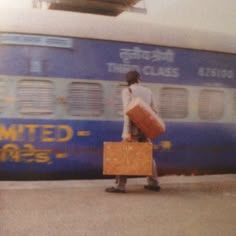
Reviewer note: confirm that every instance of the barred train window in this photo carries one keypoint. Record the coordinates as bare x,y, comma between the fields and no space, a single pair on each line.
85,99
211,104
118,99
173,103
2,96
35,97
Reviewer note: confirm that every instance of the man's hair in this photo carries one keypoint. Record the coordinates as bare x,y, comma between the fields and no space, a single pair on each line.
132,77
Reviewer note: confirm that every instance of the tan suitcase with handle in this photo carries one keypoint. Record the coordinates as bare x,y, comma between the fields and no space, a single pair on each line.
145,118
127,158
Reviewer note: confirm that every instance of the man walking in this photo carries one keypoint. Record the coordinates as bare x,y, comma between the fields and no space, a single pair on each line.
132,133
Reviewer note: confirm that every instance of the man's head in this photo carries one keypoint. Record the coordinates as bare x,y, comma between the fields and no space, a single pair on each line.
132,77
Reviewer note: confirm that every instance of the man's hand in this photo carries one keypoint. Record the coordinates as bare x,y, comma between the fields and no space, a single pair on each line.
127,137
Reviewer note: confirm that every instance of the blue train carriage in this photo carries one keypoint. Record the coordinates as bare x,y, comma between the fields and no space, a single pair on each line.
61,77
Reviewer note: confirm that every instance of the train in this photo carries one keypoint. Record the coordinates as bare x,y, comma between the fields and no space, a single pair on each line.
61,77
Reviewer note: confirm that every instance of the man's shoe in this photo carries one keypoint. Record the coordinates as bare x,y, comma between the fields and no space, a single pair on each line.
114,190
155,188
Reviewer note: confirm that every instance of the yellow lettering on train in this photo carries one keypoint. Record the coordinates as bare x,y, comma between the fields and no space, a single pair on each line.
10,152
33,132
20,132
28,154
166,145
9,133
68,133
42,157
61,133
47,133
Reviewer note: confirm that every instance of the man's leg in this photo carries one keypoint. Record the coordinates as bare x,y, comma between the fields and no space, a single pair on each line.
121,181
120,187
153,183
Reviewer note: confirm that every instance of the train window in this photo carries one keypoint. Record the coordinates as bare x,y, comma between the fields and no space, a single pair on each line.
211,104
118,100
35,97
85,99
2,96
173,103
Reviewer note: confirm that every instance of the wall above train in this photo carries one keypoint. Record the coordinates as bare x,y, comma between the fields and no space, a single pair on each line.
116,29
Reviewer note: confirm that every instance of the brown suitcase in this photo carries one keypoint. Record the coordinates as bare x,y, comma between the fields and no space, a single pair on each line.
127,158
145,118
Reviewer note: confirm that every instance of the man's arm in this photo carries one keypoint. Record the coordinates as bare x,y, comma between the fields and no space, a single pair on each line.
126,98
153,104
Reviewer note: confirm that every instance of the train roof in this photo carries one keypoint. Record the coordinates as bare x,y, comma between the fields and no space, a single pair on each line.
67,24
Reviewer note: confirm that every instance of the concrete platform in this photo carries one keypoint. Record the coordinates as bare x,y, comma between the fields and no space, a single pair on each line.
186,206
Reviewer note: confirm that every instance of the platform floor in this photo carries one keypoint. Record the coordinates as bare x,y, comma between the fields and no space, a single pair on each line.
186,206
